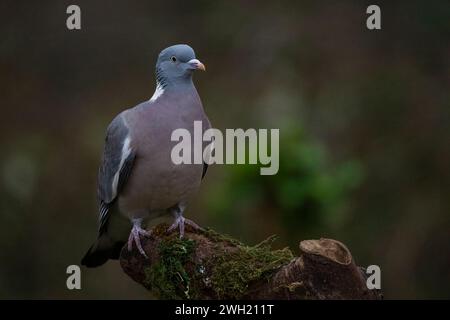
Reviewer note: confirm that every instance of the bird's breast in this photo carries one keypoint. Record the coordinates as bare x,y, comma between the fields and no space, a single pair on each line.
156,182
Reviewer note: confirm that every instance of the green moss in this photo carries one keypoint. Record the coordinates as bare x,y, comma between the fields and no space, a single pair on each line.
218,237
168,278
232,272
228,273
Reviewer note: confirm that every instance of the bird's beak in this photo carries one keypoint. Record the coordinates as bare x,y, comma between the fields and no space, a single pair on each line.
197,65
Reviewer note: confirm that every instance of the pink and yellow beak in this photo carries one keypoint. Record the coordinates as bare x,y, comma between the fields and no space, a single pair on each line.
197,65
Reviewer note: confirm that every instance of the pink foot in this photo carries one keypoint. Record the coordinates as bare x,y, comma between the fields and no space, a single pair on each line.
135,234
180,221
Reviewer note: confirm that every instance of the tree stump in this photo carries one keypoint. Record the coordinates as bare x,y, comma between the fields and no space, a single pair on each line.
209,265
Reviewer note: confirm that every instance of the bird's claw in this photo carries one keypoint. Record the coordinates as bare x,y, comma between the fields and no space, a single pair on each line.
135,234
180,222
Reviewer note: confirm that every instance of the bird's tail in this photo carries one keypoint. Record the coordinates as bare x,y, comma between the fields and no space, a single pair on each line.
104,248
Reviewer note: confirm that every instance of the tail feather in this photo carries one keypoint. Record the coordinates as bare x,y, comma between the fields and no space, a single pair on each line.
101,251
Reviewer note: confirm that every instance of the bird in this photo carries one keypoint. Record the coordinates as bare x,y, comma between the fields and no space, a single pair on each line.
137,180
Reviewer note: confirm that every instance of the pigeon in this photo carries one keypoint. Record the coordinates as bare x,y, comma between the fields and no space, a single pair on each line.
137,180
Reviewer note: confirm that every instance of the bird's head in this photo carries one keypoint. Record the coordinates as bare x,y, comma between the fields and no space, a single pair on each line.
176,64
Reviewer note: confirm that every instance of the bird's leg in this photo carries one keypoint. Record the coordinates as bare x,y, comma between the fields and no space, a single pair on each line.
180,221
135,234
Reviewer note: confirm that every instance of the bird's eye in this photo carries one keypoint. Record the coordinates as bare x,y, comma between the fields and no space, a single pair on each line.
173,58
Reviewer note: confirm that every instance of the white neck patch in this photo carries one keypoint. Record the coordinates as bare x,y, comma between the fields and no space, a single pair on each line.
158,92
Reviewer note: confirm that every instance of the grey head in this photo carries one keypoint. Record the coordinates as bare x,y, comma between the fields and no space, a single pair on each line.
175,66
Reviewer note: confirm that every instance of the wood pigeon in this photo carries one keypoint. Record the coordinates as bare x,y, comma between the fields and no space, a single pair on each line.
137,178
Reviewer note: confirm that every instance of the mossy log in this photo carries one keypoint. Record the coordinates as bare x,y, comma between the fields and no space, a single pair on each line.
208,265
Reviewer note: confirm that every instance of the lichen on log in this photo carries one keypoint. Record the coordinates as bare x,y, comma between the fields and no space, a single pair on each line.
209,265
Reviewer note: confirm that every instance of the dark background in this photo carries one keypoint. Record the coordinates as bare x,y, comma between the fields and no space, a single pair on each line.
363,116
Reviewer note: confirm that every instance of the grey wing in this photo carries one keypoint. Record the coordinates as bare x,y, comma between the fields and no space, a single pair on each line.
116,166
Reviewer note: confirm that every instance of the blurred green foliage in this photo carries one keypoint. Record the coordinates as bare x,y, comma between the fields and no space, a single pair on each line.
309,193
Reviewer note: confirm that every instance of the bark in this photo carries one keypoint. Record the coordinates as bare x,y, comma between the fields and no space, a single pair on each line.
208,265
